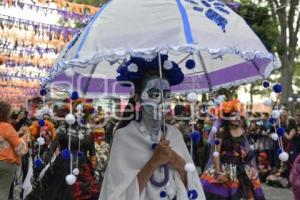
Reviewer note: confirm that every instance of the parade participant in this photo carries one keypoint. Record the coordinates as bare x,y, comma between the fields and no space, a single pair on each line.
294,138
56,160
142,143
11,149
231,173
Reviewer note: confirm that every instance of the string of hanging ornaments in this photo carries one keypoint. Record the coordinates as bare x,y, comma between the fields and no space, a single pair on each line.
31,40
72,7
64,13
75,115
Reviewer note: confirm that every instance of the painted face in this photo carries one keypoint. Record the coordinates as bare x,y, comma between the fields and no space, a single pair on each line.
156,97
235,118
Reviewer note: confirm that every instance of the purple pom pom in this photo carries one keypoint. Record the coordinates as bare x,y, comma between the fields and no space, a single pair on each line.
279,151
195,136
43,92
190,64
192,194
38,163
266,84
272,121
80,154
280,131
153,146
74,96
41,123
66,154
163,194
217,142
277,88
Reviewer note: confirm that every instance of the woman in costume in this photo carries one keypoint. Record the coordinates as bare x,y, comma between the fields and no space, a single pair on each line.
143,143
231,173
55,163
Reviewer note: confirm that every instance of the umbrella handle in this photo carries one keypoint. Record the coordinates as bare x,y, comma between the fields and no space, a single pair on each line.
165,180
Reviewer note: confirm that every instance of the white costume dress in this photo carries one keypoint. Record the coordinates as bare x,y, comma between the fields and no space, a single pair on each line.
131,150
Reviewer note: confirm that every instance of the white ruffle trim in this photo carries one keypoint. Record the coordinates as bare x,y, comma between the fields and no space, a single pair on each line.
115,55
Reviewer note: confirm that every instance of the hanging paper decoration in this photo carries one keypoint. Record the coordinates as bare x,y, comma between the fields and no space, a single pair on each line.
28,50
73,7
8,22
64,13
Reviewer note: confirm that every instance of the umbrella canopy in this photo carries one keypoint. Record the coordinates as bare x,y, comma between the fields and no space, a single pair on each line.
225,49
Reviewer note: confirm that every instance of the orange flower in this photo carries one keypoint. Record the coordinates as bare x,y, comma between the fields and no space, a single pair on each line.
34,130
230,106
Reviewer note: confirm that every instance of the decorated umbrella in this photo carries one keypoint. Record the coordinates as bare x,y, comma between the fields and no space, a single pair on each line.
213,46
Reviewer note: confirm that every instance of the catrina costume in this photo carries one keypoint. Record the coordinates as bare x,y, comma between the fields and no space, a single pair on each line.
238,178
77,153
135,139
53,183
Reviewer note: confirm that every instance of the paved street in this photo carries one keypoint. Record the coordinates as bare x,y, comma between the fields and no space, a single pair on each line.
273,193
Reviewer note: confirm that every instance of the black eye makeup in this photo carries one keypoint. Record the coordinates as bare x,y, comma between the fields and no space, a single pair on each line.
153,93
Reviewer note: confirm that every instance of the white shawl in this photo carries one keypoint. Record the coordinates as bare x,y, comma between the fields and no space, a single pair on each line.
131,150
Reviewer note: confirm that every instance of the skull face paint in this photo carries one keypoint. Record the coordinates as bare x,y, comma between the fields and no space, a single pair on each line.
156,97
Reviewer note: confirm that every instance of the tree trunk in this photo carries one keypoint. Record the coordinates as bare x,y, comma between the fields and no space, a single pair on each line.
287,73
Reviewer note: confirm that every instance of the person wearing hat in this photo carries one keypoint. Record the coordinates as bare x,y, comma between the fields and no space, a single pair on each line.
231,172
149,159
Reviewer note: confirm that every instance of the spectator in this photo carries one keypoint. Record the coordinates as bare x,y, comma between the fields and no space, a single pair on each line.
21,120
294,138
179,108
264,167
11,149
279,177
202,148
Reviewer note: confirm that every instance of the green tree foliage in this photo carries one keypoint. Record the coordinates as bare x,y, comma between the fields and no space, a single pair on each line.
95,3
287,14
260,20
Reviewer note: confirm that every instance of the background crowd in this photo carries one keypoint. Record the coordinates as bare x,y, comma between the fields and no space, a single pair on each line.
19,127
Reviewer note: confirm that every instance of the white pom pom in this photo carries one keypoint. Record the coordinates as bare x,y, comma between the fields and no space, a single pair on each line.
69,73
192,97
168,65
216,154
189,167
79,107
268,102
290,99
298,100
275,114
252,147
213,130
70,119
80,136
284,156
133,67
274,136
70,179
41,141
76,171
